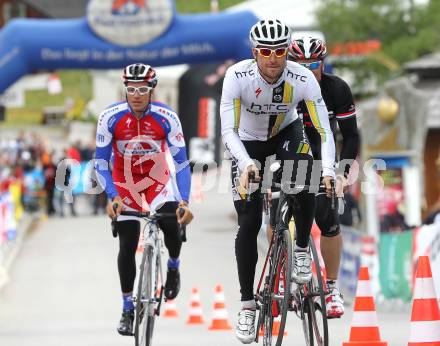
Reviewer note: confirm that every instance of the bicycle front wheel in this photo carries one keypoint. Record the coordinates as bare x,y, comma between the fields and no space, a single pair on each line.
146,299
316,310
280,274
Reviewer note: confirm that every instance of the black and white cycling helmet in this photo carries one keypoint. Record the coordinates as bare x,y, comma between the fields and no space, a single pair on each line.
269,32
140,73
307,47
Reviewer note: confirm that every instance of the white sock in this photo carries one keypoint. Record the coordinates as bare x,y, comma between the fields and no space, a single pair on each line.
301,249
331,283
248,305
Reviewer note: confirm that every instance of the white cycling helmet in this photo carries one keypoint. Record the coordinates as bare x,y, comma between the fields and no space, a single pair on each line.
269,32
140,73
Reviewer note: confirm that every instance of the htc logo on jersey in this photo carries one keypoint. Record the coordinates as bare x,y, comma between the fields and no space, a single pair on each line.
244,73
296,76
268,108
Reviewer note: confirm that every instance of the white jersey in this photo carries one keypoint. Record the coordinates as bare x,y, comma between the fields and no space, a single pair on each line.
252,109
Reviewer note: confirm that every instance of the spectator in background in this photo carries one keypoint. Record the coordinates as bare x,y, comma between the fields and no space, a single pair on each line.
99,200
64,166
434,214
21,159
73,152
87,152
33,182
49,170
36,147
352,213
394,219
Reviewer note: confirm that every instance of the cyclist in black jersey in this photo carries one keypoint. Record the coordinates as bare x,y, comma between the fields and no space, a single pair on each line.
310,52
258,120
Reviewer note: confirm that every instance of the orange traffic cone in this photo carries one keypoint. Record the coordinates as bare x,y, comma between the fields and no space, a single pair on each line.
197,189
425,317
170,309
275,327
195,309
364,326
275,308
220,315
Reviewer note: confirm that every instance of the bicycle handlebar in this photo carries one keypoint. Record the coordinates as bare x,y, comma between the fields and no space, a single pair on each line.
333,196
251,179
182,227
148,215
152,217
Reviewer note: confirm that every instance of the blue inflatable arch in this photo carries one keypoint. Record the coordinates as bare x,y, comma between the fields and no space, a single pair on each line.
31,45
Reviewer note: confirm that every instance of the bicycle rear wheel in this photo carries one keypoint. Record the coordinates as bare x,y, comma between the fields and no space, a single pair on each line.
317,314
146,299
307,323
280,275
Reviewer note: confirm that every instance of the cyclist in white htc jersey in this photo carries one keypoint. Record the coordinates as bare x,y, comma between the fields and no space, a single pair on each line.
259,120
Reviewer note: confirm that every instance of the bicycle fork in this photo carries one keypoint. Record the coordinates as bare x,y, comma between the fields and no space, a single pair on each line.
160,281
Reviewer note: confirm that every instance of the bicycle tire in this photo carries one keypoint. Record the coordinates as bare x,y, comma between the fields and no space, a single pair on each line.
261,312
283,265
316,309
267,317
307,323
144,320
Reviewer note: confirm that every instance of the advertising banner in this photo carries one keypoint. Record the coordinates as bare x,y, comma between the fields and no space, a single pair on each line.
350,260
395,253
427,243
116,33
390,199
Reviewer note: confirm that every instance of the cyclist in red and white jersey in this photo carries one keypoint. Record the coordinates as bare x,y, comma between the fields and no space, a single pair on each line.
139,132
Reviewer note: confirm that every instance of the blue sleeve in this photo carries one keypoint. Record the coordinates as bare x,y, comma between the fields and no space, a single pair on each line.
103,173
176,144
183,171
103,153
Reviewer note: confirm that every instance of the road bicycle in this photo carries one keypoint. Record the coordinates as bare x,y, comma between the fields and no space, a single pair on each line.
150,276
276,294
308,302
273,291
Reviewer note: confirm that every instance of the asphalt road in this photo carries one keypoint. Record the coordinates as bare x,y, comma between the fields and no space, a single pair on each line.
64,288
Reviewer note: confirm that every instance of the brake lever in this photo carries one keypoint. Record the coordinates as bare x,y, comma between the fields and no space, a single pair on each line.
251,179
265,203
114,220
333,197
182,227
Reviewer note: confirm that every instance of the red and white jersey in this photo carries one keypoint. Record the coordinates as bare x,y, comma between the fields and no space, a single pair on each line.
141,174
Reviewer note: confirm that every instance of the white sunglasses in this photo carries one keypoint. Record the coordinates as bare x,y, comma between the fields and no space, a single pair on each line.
143,90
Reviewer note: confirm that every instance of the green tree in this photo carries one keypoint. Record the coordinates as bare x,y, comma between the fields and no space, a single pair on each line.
406,31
